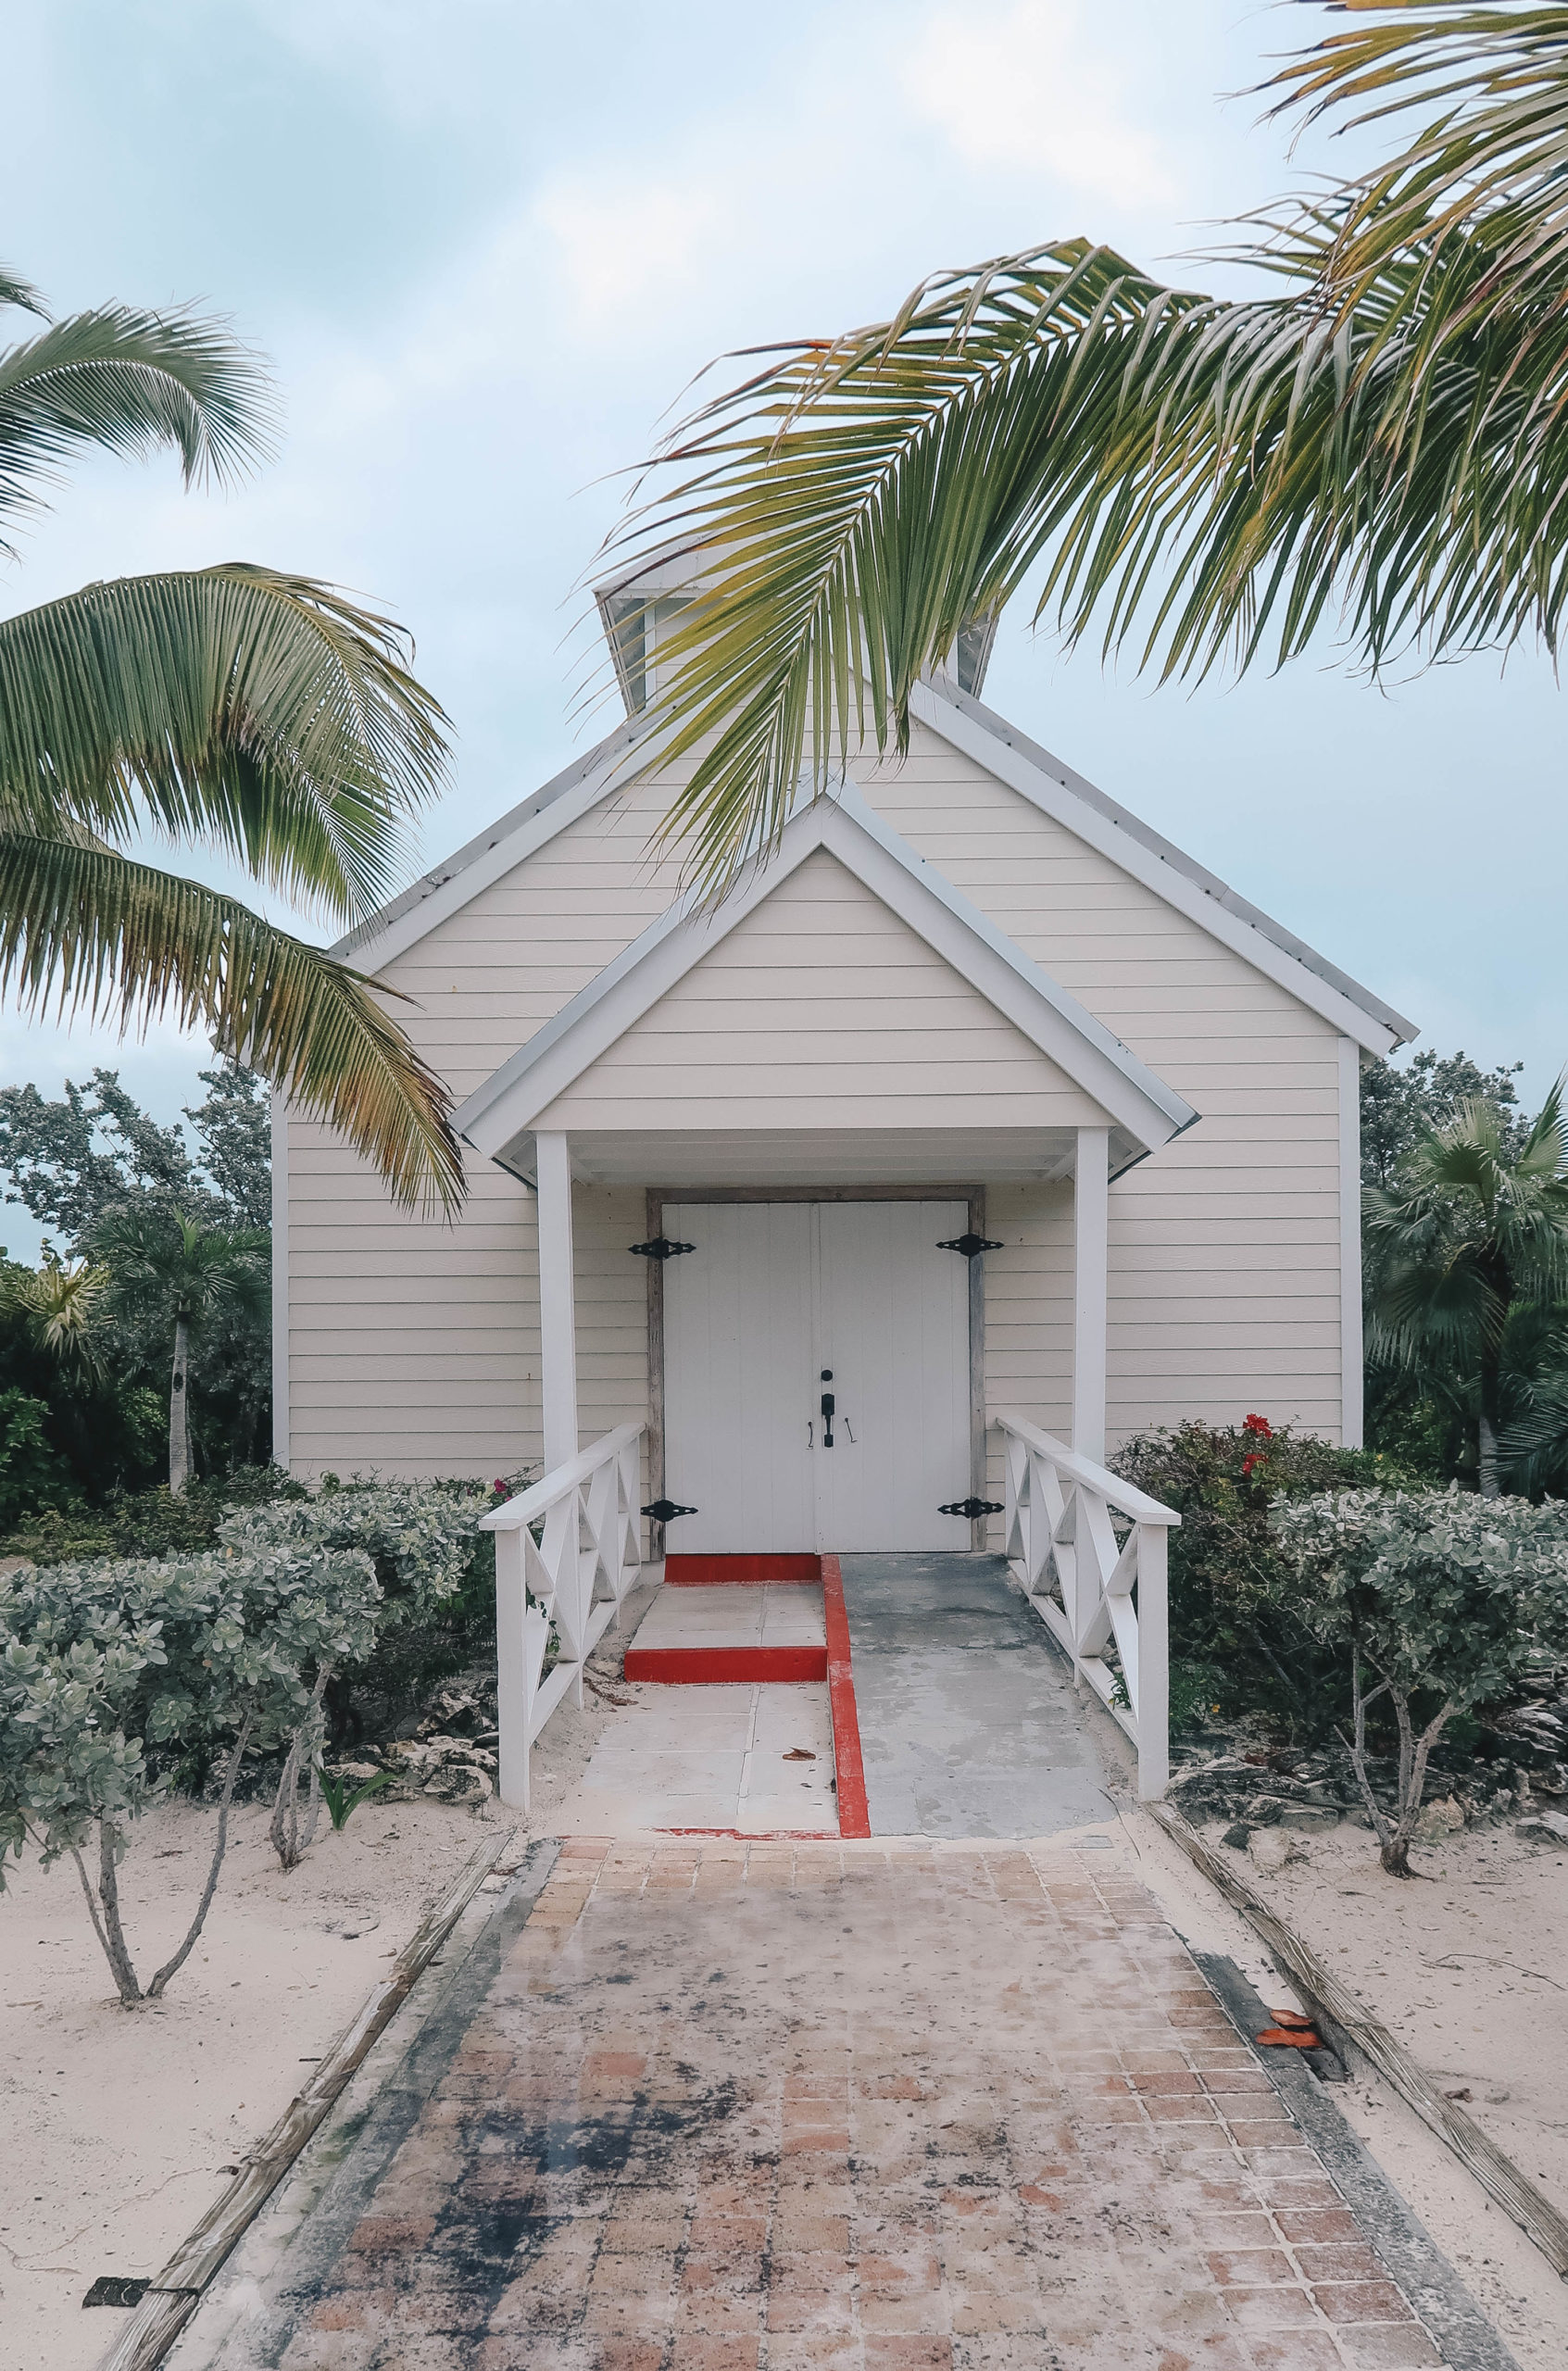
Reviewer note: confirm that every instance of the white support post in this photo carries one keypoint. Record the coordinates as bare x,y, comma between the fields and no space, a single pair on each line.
557,1316
1091,1223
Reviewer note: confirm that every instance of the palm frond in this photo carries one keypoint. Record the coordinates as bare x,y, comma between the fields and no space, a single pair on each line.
1378,446
15,290
85,930
263,714
1492,80
130,380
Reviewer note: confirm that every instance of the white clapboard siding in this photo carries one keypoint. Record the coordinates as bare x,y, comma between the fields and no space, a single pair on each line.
822,1009
414,1346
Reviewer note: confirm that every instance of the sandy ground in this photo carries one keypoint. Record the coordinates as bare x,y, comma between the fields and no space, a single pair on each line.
118,2128
1467,1965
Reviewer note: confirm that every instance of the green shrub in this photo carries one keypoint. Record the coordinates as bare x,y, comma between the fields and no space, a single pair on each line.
1233,1639
1449,1599
110,1671
147,1523
436,1569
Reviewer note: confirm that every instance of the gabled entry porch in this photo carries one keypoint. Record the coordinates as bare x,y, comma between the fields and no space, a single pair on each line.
817,1090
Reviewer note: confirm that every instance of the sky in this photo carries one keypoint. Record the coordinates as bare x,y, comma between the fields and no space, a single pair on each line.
486,246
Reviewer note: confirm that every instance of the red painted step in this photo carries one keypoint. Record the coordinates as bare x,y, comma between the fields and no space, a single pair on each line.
723,1666
704,1572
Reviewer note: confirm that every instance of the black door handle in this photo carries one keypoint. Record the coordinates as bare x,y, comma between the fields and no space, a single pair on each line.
827,1420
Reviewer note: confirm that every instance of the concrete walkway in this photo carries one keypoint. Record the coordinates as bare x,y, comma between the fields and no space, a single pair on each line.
970,1723
732,2107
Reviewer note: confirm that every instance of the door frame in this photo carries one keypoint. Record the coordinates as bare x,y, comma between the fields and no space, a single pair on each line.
973,1196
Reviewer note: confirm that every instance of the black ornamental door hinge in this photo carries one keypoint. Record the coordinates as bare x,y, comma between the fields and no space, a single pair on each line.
666,1511
972,1509
660,1248
971,1246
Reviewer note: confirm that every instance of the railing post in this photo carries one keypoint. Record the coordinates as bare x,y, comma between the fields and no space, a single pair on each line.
511,1669
1154,1663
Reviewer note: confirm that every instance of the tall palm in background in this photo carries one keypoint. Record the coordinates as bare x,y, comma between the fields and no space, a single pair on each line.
178,1271
1378,441
1467,1263
253,714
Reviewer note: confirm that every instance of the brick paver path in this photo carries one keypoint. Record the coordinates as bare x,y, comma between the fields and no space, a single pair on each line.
869,2105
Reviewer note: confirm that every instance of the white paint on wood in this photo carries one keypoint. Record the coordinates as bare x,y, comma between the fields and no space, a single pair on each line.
557,1303
1090,1244
1350,1352
774,1294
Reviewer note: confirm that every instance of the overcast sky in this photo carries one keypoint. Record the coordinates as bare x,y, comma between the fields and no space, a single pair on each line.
488,243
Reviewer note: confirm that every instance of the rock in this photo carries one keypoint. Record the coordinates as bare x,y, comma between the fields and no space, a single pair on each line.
357,1773
1237,1837
1443,1818
1263,1811
1314,1818
1272,1848
460,1782
1543,1827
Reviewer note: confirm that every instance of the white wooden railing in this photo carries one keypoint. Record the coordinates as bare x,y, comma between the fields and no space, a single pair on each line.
577,1572
1082,1541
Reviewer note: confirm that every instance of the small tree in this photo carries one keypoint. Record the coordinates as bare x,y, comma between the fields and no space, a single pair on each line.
109,1672
163,1264
1449,1599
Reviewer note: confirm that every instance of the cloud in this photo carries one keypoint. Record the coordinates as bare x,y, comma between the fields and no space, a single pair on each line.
1023,86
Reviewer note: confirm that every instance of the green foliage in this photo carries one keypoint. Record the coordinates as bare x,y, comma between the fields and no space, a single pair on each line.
1452,1599
1467,1263
340,1804
148,1523
1401,1105
31,1473
1233,1642
234,708
436,1569
110,1670
94,1153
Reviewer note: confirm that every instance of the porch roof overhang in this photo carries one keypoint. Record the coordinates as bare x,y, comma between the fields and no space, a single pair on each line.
1141,1111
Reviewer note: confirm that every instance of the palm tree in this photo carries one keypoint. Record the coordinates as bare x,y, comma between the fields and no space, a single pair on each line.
1468,1260
261,716
179,1271
59,1305
1380,438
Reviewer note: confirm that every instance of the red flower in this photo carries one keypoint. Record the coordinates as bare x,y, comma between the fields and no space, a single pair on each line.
1249,1463
1261,1426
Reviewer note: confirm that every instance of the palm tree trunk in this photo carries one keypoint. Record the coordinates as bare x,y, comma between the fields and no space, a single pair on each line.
179,1413
1486,1453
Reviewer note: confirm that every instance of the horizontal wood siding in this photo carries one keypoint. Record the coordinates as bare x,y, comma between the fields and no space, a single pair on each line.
822,1009
413,1346
1244,1207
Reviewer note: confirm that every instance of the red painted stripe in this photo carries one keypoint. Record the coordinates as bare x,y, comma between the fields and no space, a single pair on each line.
854,1812
721,1666
703,1572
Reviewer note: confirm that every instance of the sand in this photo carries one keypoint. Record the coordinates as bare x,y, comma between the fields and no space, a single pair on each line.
1467,1965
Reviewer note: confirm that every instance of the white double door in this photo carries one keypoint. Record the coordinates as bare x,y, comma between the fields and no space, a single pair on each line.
779,1304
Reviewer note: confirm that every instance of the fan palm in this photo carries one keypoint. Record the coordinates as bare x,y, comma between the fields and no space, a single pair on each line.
1468,1249
180,1273
1380,439
258,715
